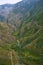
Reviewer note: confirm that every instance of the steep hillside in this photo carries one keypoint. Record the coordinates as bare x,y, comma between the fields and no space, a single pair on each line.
14,13
21,34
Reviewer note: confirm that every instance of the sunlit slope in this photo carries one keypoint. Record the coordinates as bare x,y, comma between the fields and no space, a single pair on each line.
7,55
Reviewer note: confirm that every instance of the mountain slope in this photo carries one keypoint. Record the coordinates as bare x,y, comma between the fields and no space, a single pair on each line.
21,35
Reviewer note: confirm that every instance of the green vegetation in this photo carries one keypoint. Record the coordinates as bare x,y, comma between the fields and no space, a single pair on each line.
25,45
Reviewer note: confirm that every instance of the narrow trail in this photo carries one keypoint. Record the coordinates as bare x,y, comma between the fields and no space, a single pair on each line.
11,57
